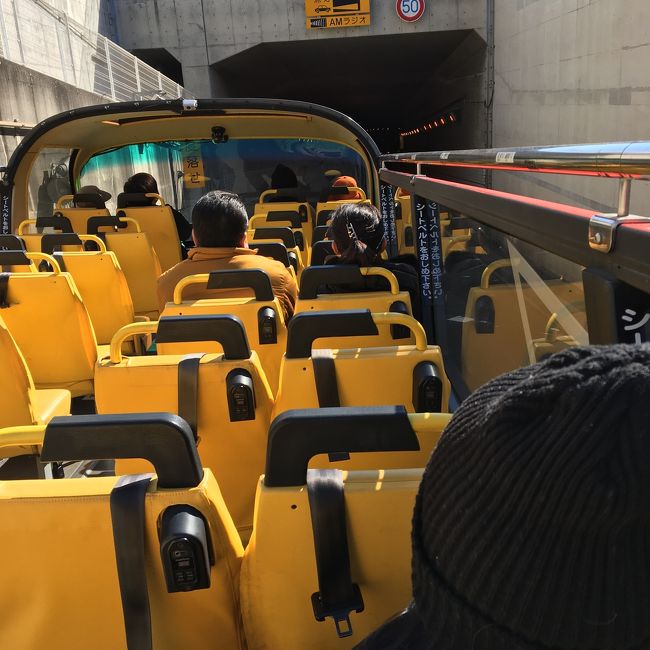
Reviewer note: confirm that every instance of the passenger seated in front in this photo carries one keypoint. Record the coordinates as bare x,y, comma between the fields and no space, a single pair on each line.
219,224
345,181
531,524
357,234
144,183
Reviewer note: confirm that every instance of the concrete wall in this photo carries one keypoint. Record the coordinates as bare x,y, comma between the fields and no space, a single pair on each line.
571,71
200,33
29,97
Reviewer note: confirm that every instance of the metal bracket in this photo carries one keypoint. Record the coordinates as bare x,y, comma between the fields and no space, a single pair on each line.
190,104
602,230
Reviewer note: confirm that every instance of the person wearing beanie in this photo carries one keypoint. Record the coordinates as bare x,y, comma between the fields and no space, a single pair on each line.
357,234
531,528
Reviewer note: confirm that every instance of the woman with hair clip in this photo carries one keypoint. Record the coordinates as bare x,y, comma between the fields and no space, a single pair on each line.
357,234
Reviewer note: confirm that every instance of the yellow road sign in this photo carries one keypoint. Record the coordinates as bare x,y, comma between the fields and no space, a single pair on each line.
328,14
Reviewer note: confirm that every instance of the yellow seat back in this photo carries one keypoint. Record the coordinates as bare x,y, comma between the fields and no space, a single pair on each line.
65,589
158,222
282,235
16,384
78,217
50,323
316,277
272,201
412,376
139,262
103,288
262,316
493,335
279,572
234,449
302,232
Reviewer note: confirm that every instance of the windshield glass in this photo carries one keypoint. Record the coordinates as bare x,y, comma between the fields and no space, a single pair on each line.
187,170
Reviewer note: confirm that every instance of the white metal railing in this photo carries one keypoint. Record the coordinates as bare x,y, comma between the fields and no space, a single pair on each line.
40,37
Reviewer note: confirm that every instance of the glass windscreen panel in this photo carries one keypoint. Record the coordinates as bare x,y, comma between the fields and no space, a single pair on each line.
187,170
49,179
507,303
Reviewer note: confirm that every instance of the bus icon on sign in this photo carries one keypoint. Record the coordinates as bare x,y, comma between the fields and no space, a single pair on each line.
317,23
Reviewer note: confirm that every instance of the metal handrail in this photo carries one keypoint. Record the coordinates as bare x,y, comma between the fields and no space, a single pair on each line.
624,160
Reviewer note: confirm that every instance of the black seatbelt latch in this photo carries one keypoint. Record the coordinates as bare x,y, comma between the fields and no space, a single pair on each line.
341,615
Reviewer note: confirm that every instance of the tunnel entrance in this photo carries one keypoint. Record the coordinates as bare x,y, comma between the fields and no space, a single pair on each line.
390,84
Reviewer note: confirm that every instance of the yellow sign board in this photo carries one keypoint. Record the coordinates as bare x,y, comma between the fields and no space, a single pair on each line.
193,167
328,14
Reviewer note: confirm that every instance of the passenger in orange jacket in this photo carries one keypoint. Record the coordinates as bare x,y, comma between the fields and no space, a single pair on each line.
219,224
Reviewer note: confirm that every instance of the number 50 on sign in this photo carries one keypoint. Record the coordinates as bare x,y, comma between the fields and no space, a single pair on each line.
409,10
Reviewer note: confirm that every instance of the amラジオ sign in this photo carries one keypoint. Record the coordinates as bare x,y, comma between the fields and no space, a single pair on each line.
329,14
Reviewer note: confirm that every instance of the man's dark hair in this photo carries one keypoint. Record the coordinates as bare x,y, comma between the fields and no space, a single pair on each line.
219,219
141,183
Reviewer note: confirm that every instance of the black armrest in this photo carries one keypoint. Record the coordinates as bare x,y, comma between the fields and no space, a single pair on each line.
255,279
296,436
283,233
51,241
225,329
164,439
305,327
315,276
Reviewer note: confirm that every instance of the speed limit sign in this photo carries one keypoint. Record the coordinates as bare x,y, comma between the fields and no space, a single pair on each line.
409,10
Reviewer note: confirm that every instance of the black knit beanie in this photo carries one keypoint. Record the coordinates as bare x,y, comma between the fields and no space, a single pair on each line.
532,524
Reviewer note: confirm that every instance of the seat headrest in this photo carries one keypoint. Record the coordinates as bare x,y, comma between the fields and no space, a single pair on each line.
134,200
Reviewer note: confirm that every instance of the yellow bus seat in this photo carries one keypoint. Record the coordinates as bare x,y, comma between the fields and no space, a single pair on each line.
261,315
365,523
289,220
141,266
326,204
64,575
319,234
393,300
276,251
50,324
493,337
412,376
283,235
67,207
157,221
102,285
293,218
274,200
226,397
13,256
320,251
20,402
31,231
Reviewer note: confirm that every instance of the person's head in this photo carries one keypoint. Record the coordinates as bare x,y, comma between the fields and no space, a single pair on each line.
91,189
357,233
142,183
282,177
219,219
345,181
532,520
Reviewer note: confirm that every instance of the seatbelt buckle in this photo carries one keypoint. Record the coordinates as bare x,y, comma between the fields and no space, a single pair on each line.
341,613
